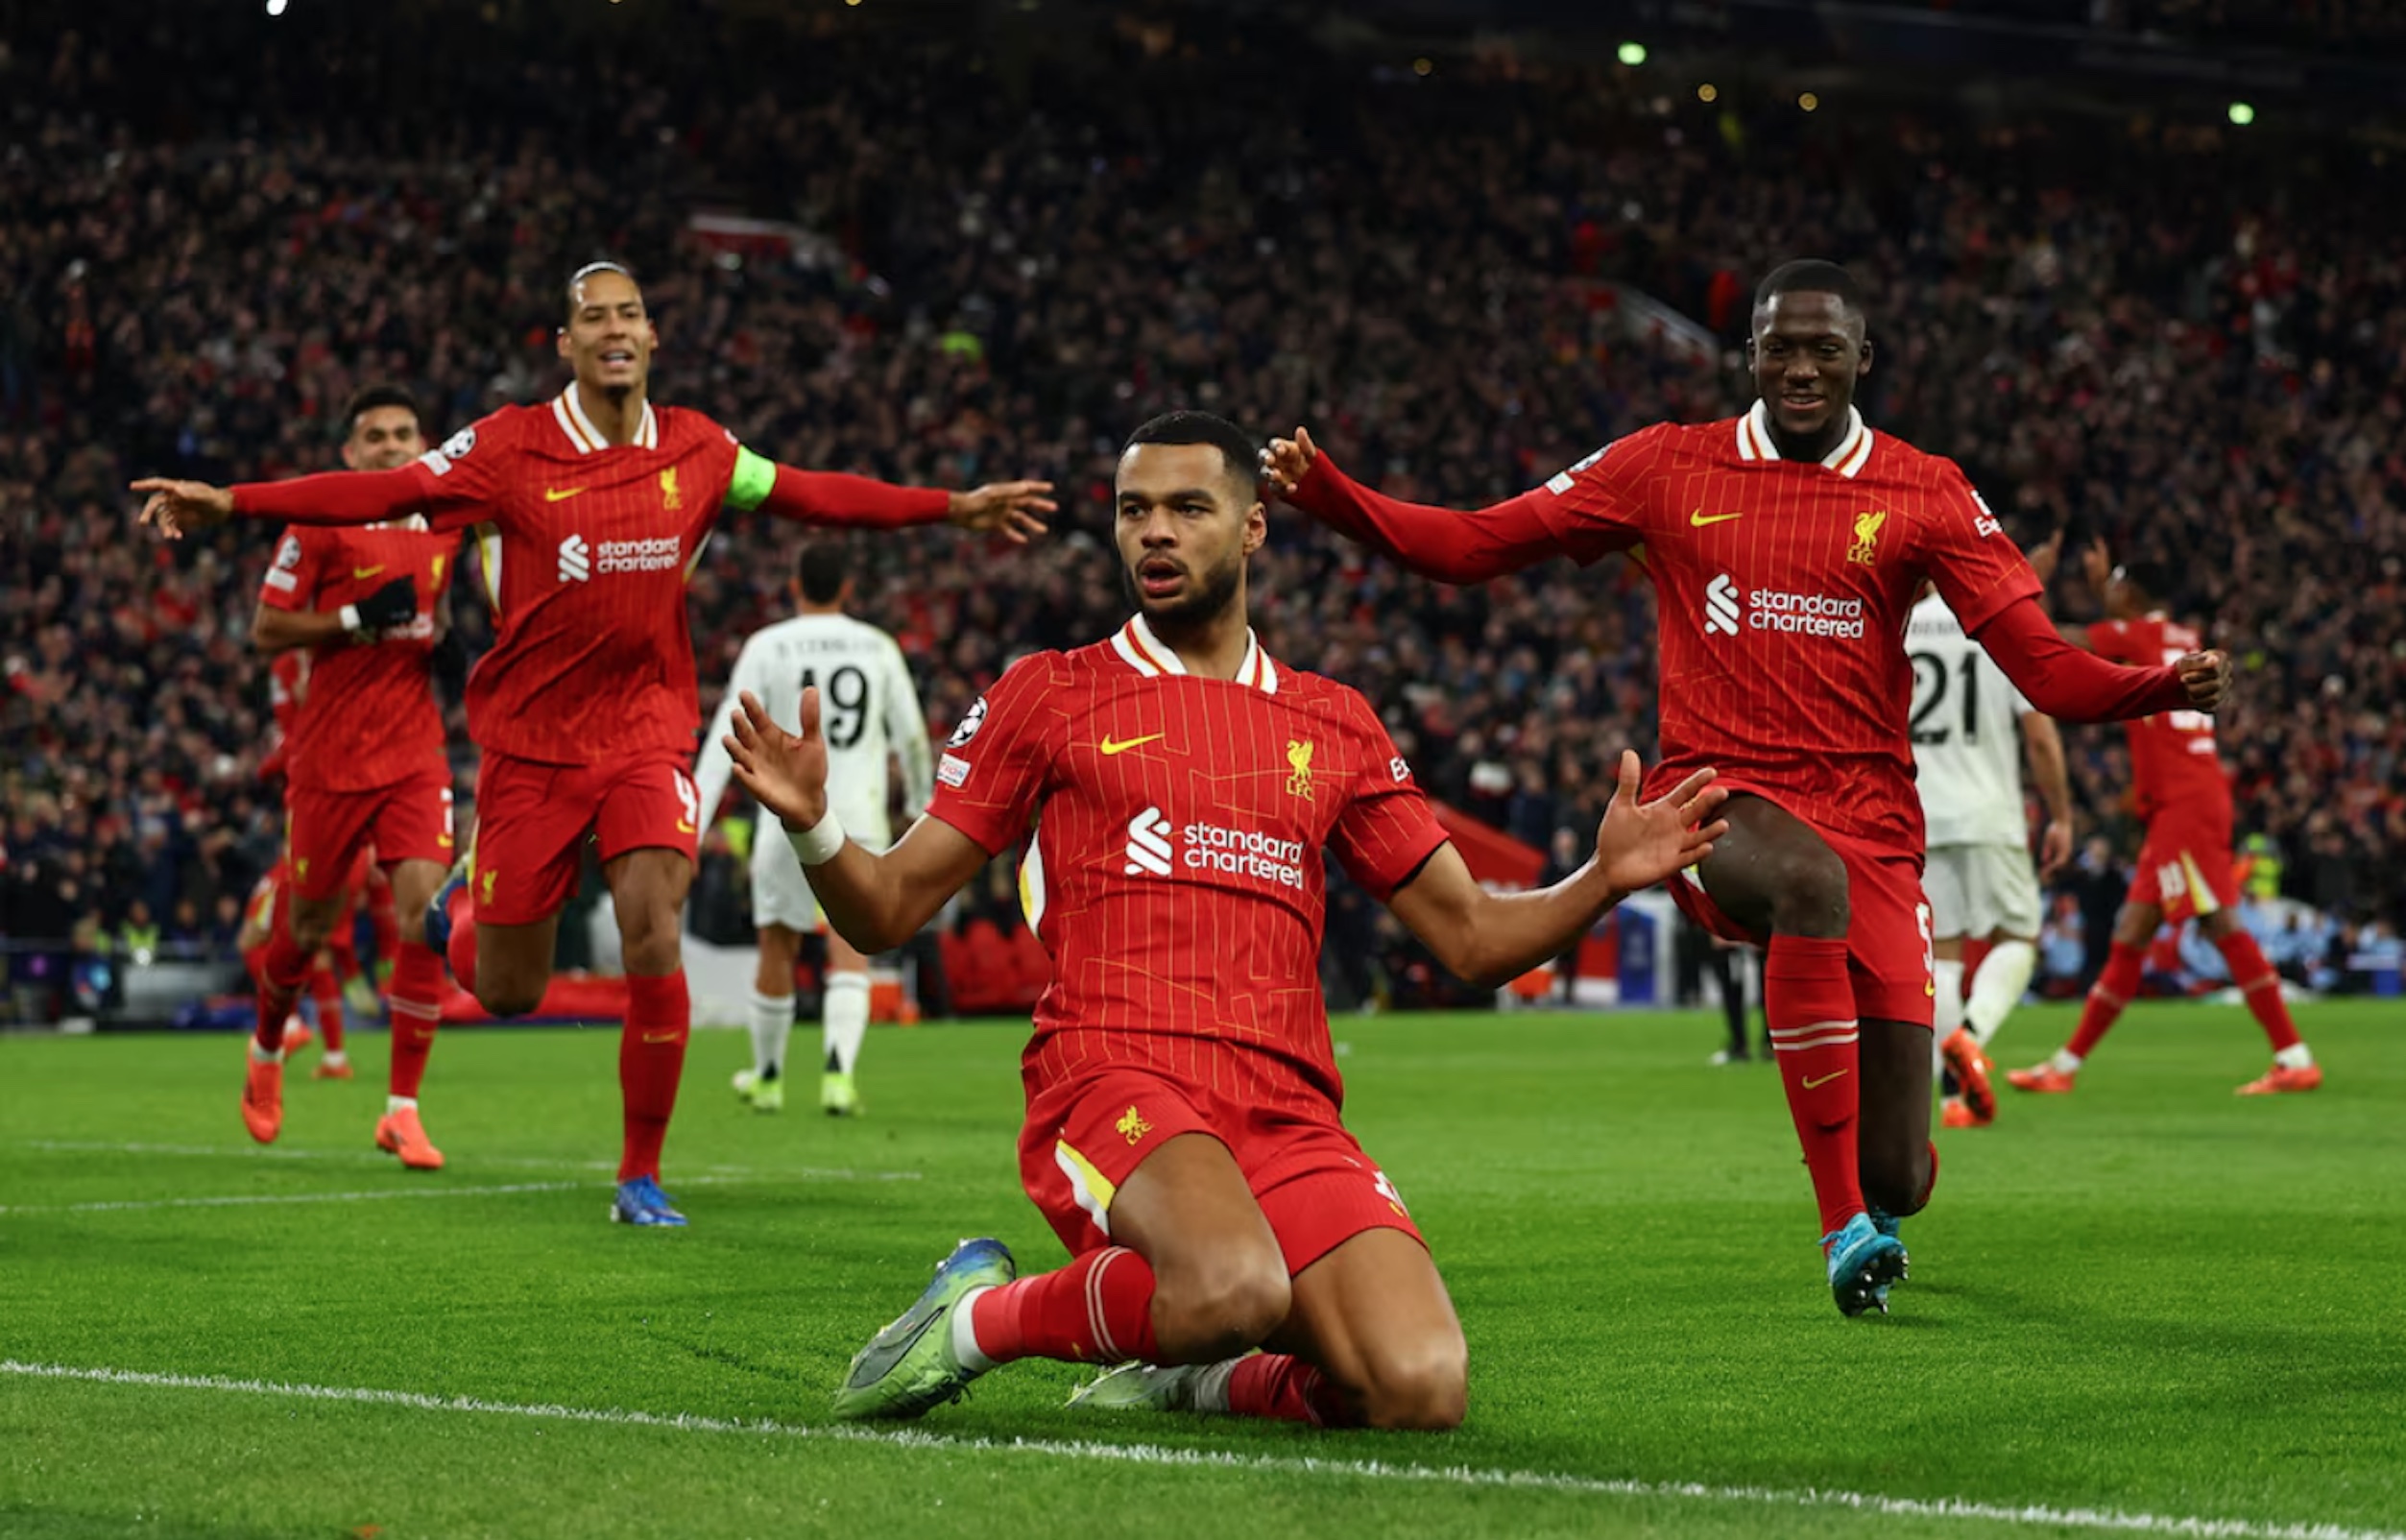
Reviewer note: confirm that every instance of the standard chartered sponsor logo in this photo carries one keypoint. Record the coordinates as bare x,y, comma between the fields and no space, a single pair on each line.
1148,843
1201,847
1721,607
1243,853
1801,615
580,561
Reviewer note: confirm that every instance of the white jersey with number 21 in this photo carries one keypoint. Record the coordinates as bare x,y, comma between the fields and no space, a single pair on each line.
1967,730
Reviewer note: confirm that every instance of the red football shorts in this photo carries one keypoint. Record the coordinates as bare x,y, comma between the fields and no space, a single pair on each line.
2185,866
326,831
1888,957
1086,1136
532,821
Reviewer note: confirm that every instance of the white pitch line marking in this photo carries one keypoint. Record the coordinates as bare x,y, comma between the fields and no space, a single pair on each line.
254,1152
2039,1515
244,1199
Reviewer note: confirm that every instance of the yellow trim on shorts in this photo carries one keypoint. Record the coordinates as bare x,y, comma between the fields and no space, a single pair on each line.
2202,897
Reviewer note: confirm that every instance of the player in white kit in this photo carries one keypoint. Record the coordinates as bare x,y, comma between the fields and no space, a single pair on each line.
1979,881
870,711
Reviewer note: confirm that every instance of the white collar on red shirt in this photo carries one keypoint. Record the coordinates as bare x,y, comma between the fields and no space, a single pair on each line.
569,412
1148,655
1852,454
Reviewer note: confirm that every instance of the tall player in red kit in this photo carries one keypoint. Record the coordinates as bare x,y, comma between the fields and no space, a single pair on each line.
1183,1135
592,509
1786,548
364,764
2184,871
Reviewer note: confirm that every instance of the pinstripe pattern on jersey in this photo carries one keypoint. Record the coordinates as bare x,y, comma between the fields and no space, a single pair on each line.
1177,866
1783,592
369,716
2173,759
587,547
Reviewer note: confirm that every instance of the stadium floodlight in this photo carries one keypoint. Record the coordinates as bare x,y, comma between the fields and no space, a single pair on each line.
1424,67
276,8
1708,93
1808,102
1633,54
2242,113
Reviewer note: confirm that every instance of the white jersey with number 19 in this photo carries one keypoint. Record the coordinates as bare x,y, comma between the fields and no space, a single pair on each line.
868,709
1967,730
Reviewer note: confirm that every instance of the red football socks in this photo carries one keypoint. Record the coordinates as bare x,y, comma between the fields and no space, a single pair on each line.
283,968
461,954
651,1061
1810,1007
1275,1385
327,991
2116,986
1097,1309
417,1001
2260,985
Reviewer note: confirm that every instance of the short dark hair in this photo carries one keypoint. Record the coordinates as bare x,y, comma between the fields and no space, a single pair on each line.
373,397
821,569
1241,451
1811,274
2151,579
603,265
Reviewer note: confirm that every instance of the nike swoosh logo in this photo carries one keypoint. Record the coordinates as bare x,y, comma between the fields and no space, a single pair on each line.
1811,1084
671,1037
1112,746
683,828
1700,519
553,495
361,574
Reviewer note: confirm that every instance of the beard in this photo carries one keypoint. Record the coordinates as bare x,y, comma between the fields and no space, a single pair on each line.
1208,596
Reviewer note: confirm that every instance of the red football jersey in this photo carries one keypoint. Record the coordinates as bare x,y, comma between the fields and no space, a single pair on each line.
366,715
1783,590
586,551
2172,753
1175,874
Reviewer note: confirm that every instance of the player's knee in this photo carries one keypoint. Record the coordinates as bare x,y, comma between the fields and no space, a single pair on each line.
1809,896
1423,1385
410,923
310,932
502,996
1219,1312
648,942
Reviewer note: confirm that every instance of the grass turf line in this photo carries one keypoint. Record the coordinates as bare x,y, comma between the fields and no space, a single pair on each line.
2147,1296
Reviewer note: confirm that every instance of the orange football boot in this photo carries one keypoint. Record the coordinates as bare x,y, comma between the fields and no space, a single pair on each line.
399,1133
2039,1077
263,1098
297,1036
2280,1078
1971,1068
331,1071
1955,1114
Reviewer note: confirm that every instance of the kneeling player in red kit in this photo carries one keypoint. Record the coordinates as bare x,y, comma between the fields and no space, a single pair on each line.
1182,1134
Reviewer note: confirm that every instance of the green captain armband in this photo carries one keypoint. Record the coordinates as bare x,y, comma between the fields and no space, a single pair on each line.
754,478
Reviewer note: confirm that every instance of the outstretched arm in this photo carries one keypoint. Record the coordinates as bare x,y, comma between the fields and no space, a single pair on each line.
877,902
834,499
1437,542
1492,938
328,497
2066,683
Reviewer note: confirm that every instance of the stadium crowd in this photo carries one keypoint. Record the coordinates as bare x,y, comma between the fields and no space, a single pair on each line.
2133,330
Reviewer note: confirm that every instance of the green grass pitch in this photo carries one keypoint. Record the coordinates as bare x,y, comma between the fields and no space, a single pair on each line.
2149,1297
